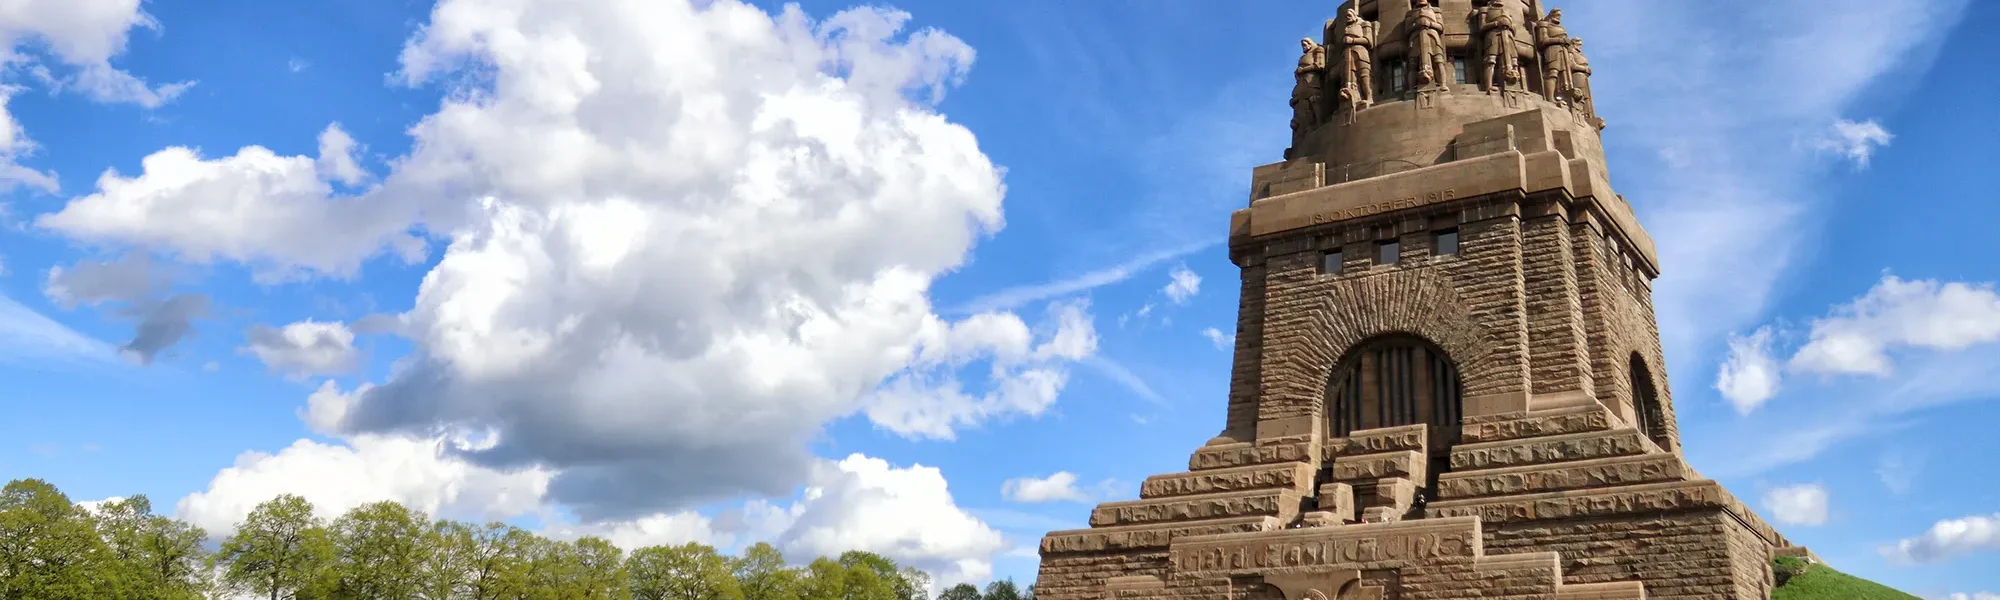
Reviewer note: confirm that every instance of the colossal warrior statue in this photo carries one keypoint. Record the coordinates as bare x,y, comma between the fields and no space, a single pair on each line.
1308,90
1553,42
1497,44
1426,30
1447,375
1579,79
1357,40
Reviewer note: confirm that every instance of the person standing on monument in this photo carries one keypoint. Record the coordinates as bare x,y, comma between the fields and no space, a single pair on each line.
1357,39
1426,29
1310,83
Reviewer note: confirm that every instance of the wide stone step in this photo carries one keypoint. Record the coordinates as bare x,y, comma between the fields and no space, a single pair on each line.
1548,450
1297,476
1280,502
1620,590
1408,464
1579,475
1133,537
1561,421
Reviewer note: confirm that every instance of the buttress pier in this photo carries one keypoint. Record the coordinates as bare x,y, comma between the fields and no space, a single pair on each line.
1448,380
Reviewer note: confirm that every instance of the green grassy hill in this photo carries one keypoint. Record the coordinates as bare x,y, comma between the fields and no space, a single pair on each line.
1821,582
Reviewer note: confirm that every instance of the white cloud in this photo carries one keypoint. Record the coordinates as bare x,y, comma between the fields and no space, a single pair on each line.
1856,141
662,307
1857,337
1123,376
1897,471
1946,539
254,207
336,157
1974,596
1060,486
1705,137
1222,341
1750,376
420,473
83,36
1182,285
296,64
652,530
906,514
304,348
28,335
1803,504
1014,297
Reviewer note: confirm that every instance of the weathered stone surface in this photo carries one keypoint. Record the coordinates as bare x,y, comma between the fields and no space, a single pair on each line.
1099,539
1605,472
1282,503
1442,232
1406,464
1295,475
1537,451
1561,422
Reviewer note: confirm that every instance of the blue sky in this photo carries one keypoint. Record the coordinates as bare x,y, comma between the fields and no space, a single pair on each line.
928,280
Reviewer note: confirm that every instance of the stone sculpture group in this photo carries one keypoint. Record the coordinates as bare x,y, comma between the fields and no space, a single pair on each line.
1495,41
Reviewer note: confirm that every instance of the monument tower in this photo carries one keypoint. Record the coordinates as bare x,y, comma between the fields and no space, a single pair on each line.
1448,381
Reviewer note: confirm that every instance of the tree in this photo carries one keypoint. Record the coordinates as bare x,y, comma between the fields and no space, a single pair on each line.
279,551
155,557
872,576
914,585
599,570
444,571
762,574
1002,590
686,572
49,548
378,548
963,591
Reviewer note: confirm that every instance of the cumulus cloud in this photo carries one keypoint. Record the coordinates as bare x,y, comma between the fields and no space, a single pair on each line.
1750,377
337,477
661,306
136,289
1222,341
1856,141
906,514
1974,596
304,348
255,207
1946,539
1182,285
1803,504
336,157
1059,486
81,36
1856,338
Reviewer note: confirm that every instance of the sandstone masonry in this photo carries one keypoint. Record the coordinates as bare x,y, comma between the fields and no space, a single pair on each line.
1448,380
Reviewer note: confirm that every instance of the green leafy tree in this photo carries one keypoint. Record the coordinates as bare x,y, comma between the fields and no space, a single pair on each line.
280,551
963,591
599,570
915,584
762,574
872,576
379,548
686,572
49,548
1002,590
154,557
824,579
444,571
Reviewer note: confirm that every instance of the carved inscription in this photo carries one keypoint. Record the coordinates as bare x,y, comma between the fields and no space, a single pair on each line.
1236,456
1249,556
1623,443
1559,478
1274,502
1537,426
1224,481
1706,495
1374,441
1379,466
1330,216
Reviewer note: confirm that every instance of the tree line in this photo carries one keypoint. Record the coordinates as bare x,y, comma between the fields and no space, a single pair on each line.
54,549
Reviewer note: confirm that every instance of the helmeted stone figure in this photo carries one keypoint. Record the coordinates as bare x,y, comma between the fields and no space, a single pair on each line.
1426,30
1495,24
1357,41
1552,40
1309,89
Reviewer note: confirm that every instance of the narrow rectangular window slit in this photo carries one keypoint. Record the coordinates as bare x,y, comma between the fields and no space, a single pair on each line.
1330,263
1391,252
1446,243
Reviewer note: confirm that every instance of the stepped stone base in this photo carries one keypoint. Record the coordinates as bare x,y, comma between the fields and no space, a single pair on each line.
1560,503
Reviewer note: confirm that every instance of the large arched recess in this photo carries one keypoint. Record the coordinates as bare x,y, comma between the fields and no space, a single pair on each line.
1394,380
1649,414
1417,302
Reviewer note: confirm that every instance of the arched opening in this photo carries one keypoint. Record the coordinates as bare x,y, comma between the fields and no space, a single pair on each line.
1397,380
1650,418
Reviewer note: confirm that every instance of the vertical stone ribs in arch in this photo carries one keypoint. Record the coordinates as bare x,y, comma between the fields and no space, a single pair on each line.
1416,302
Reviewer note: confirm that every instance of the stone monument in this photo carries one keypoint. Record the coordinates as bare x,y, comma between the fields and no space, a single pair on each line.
1448,380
